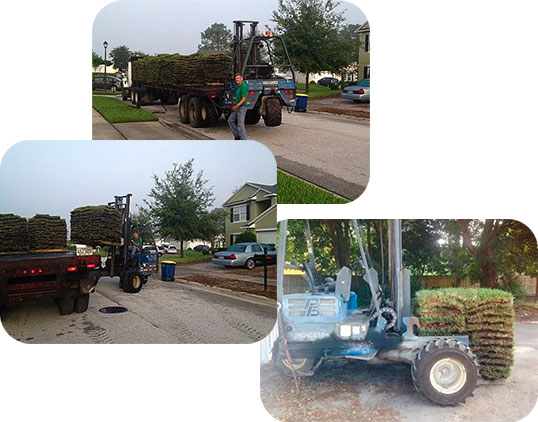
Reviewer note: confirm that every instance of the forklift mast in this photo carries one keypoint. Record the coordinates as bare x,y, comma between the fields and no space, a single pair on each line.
123,205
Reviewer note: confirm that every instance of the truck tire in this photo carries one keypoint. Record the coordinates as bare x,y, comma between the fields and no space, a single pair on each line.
82,303
250,264
133,281
273,112
184,108
209,113
445,372
252,117
195,112
303,366
66,305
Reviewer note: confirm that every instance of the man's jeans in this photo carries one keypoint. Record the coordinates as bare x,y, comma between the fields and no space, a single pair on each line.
236,121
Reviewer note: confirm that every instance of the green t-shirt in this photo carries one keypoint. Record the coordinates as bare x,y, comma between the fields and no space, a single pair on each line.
138,242
240,92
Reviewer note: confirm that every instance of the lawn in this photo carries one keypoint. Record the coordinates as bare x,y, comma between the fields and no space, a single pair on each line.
190,256
292,190
106,92
116,111
318,91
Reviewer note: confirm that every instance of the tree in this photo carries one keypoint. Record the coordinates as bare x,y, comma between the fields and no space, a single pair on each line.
96,59
139,54
120,56
215,38
144,224
214,226
349,48
310,30
179,203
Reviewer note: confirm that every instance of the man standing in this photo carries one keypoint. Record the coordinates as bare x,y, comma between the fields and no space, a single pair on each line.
236,121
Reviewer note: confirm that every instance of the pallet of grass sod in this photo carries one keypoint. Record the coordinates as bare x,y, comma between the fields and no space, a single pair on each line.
488,320
47,233
13,234
96,225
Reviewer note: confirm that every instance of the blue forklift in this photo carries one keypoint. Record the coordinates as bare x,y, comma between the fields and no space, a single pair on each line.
325,323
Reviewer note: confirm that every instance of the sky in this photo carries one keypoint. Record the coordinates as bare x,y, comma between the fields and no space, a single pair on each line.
175,26
55,177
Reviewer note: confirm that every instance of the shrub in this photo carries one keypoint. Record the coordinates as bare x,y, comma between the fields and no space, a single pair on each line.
511,284
246,237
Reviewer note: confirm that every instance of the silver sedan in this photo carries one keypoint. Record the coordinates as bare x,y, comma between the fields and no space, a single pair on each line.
239,255
359,93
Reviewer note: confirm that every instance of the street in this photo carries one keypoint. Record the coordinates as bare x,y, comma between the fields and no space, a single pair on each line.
162,312
328,150
353,390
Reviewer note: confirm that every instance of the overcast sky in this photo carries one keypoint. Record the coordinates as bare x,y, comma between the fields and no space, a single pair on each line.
174,26
54,177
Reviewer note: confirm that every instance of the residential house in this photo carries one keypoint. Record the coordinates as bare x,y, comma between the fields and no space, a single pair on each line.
252,208
361,68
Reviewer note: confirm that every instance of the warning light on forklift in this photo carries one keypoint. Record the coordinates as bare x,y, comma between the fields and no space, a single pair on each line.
268,33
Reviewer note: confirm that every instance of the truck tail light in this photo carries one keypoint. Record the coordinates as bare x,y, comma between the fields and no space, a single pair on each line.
251,93
71,269
90,266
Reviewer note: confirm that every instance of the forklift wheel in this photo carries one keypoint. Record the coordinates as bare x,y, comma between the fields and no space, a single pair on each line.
145,279
81,303
302,366
133,281
445,371
66,305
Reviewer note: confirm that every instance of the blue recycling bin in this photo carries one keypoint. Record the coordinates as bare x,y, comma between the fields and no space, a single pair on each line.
168,270
301,101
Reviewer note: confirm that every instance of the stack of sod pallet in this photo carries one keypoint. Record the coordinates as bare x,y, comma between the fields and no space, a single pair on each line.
96,225
485,315
47,233
13,233
176,70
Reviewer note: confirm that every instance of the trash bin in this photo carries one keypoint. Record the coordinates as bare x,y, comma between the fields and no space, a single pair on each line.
168,270
300,102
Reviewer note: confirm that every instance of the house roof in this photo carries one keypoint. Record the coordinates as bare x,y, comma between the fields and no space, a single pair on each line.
269,189
252,223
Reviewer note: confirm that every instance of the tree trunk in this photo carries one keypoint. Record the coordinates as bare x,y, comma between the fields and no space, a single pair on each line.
182,254
307,87
339,236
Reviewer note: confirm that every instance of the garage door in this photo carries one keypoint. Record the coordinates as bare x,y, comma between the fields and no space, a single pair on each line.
267,237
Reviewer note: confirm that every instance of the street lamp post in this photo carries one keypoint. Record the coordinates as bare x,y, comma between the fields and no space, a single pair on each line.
105,44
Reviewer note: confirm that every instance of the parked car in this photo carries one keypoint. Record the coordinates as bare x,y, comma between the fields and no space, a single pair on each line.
202,249
329,82
160,250
240,255
359,92
171,249
112,83
271,252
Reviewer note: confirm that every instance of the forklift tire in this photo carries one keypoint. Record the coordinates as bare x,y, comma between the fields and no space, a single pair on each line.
195,112
184,108
303,366
273,112
445,372
250,264
133,281
66,305
81,303
252,117
145,279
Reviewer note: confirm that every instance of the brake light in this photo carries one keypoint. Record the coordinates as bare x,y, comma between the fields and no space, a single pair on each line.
360,91
232,256
90,266
215,256
71,269
32,271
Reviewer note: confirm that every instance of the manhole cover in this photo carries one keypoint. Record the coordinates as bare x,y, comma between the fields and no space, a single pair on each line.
113,310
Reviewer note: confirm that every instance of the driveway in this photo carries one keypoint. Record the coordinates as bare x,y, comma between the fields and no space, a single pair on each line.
353,390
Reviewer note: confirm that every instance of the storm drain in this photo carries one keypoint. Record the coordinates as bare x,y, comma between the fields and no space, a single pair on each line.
113,310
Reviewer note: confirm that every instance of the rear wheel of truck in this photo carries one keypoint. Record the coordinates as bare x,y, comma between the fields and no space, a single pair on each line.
133,281
445,371
302,366
195,112
208,113
273,112
82,303
66,305
252,117
184,108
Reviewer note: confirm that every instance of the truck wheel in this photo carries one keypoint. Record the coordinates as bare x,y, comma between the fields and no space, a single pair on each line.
273,112
252,117
209,114
302,366
81,303
445,371
66,305
195,112
250,264
184,108
133,281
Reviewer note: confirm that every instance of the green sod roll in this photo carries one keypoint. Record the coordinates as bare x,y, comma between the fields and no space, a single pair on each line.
485,315
96,225
14,236
47,232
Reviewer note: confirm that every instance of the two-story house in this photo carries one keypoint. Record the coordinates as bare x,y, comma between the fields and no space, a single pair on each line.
252,208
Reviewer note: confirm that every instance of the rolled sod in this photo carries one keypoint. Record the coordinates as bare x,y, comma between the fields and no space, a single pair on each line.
485,315
96,225
14,235
176,70
47,232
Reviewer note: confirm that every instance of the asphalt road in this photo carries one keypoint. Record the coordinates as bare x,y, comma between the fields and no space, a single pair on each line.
325,149
352,390
162,312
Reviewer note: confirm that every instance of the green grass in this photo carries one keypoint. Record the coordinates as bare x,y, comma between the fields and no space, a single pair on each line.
530,304
317,91
190,256
106,92
115,111
292,190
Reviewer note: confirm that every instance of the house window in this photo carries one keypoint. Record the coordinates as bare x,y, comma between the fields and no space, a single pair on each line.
367,43
240,213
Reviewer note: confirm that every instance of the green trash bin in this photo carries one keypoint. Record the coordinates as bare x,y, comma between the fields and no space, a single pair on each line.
301,101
